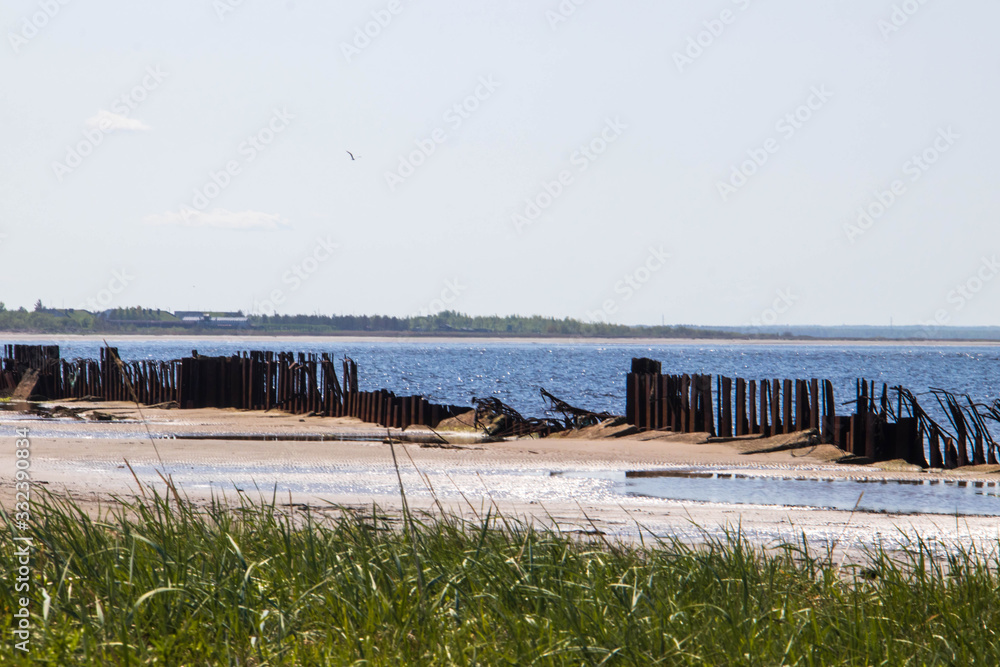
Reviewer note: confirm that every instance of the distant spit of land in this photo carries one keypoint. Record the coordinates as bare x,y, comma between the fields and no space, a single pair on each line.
446,324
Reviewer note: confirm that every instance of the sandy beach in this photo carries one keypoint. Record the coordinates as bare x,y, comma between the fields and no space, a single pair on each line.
556,481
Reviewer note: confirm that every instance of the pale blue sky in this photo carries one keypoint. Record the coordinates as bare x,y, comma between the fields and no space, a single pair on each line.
774,249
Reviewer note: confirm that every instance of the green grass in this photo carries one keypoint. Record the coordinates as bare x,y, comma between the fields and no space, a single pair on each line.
154,582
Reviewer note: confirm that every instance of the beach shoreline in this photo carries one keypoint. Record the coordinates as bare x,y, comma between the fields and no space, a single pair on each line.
95,462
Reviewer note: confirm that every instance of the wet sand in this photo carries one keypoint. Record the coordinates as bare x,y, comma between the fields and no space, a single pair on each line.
86,459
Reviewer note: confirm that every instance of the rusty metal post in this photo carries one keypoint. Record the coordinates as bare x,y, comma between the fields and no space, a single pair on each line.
801,418
814,414
906,434
706,393
647,401
765,401
631,389
726,406
950,454
918,449
742,425
870,450
686,423
856,436
677,402
694,425
936,461
788,426
963,448
665,416
829,405
642,401
776,426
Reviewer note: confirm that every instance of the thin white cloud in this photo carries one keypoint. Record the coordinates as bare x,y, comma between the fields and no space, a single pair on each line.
107,121
220,218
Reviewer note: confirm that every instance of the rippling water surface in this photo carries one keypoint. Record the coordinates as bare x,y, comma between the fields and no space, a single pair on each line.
932,496
526,483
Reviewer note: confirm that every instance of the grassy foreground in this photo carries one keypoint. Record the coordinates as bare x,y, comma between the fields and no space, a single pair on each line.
155,582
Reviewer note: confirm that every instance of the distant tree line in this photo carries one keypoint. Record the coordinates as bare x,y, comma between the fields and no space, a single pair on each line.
451,322
70,320
156,321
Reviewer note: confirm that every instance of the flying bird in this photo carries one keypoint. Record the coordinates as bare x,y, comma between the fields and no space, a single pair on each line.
351,154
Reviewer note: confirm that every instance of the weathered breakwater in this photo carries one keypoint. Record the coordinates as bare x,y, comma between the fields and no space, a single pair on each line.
299,384
882,427
888,425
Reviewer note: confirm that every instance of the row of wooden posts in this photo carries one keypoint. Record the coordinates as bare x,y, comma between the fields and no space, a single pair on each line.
309,383
685,404
298,384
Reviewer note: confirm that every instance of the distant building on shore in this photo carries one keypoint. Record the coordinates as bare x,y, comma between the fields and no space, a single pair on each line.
212,319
